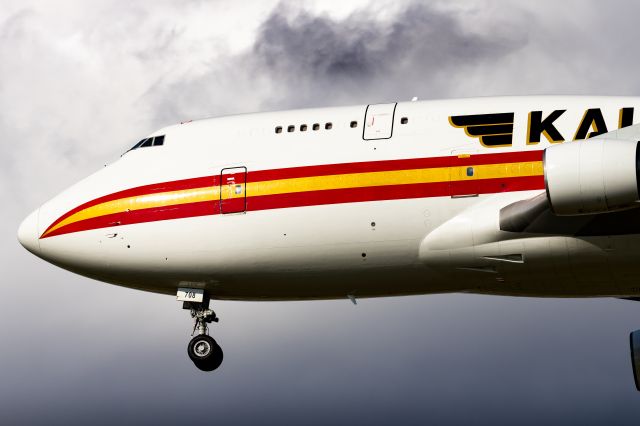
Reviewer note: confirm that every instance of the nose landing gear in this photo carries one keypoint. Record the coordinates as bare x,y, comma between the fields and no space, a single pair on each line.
203,350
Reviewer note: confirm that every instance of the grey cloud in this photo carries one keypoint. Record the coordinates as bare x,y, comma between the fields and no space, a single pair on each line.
77,82
304,59
13,26
319,59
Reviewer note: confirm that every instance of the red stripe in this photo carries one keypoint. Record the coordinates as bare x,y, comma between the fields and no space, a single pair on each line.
155,188
395,192
310,198
308,171
391,165
180,211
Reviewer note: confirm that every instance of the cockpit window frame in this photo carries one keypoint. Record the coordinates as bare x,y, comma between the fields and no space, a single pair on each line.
136,146
151,141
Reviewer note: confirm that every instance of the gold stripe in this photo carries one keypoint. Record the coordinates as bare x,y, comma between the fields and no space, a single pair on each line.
141,202
315,183
400,177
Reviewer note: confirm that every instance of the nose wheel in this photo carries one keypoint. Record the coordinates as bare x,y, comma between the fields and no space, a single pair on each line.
203,350
205,353
635,356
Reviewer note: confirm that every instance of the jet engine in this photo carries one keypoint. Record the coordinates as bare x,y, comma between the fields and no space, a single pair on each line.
592,176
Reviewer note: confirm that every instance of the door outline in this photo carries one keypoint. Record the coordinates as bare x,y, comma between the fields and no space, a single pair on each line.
233,205
393,119
459,156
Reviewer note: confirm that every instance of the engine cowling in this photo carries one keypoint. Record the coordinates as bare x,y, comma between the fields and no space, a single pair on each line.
592,176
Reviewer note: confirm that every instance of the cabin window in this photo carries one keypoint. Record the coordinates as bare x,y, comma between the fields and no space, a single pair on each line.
303,128
469,171
404,120
354,124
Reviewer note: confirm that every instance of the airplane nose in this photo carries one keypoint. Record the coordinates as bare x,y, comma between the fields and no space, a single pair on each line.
28,233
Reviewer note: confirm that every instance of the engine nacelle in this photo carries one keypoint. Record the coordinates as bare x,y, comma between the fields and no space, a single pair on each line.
592,176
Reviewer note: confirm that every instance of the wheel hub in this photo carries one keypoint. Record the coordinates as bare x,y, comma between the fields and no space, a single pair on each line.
202,349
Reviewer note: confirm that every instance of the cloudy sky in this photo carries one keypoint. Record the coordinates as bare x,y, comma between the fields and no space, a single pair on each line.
80,81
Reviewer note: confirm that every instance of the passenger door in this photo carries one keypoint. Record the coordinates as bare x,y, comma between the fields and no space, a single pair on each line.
233,190
378,121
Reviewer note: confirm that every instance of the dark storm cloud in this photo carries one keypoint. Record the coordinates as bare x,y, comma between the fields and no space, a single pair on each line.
302,59
294,43
320,59
305,58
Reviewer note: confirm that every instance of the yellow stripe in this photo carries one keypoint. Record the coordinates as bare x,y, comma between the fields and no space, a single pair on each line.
400,177
315,183
142,202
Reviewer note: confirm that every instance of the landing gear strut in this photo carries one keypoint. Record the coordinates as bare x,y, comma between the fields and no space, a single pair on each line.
203,350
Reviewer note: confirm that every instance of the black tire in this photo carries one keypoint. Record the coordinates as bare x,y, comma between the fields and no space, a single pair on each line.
209,365
205,353
635,356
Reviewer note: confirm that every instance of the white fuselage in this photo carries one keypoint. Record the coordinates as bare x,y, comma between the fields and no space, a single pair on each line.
328,214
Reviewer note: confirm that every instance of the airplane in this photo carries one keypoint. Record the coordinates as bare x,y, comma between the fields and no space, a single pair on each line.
533,196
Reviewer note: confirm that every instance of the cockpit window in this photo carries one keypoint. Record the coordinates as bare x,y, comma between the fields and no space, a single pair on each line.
144,143
138,144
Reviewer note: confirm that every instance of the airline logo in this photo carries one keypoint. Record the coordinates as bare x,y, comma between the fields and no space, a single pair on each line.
496,130
493,130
